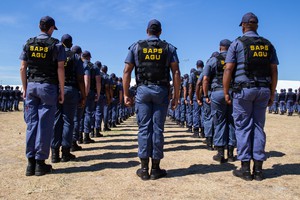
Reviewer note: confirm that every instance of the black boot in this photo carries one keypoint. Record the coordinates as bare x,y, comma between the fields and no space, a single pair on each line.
196,133
30,170
181,125
80,139
98,134
41,168
118,122
230,155
220,155
202,135
257,170
93,133
87,139
156,172
55,155
121,120
106,128
75,146
143,172
244,171
66,155
190,130
209,141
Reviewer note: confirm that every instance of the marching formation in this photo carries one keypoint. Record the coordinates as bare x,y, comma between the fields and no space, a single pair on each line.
223,100
9,98
286,102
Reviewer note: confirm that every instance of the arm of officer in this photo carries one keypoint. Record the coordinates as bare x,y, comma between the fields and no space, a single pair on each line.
61,80
227,76
126,83
197,90
120,96
191,93
176,83
23,75
274,79
206,81
98,86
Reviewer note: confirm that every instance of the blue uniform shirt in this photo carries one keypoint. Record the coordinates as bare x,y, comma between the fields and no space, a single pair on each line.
236,54
210,70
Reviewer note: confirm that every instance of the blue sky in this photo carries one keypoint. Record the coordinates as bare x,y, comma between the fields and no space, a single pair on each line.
108,27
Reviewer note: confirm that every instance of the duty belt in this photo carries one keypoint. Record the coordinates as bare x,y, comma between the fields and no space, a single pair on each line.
160,83
238,87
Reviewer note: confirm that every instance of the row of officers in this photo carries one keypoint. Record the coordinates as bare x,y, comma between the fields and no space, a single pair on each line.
226,97
67,98
286,102
9,98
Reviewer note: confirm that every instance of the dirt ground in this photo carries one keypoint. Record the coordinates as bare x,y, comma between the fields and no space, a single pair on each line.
106,169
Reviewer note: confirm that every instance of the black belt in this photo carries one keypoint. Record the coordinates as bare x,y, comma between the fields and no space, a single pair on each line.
253,85
216,89
159,83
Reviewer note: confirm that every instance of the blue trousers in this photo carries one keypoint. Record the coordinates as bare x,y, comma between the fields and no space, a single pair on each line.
151,108
89,110
99,114
189,113
249,114
64,119
114,110
39,113
196,114
207,120
223,120
282,106
182,110
290,106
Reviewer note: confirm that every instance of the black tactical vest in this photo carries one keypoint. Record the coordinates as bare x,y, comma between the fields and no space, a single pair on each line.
70,71
92,77
258,52
220,69
104,81
42,67
153,63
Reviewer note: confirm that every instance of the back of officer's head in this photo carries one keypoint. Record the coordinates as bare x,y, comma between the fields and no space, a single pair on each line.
46,23
66,39
154,27
249,22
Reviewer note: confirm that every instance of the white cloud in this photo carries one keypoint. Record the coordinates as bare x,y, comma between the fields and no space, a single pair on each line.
8,20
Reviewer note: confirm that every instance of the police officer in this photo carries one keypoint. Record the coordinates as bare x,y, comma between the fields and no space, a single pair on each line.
224,132
93,94
189,107
152,59
196,109
78,117
281,100
17,98
275,102
11,98
108,95
5,97
64,116
254,60
290,100
44,57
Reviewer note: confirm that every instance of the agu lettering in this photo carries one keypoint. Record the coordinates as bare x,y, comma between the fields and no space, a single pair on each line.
152,53
259,50
38,52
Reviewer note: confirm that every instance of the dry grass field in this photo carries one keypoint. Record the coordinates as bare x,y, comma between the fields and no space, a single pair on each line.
106,169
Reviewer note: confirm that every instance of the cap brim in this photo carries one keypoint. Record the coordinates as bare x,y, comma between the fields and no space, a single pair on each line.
241,24
55,28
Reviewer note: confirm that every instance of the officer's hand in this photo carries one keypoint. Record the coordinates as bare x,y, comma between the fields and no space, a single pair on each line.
191,102
24,94
61,98
178,101
199,102
186,102
207,100
127,101
174,103
228,99
96,98
82,102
